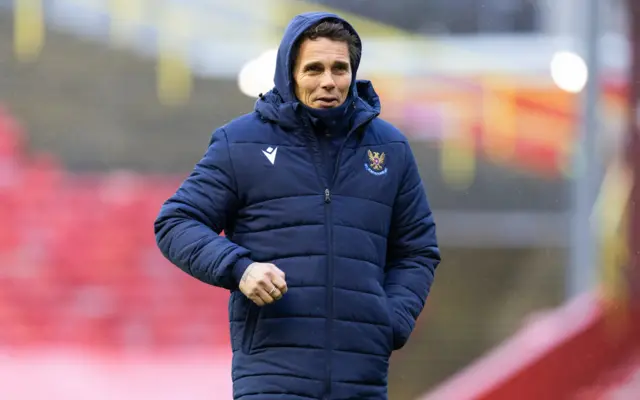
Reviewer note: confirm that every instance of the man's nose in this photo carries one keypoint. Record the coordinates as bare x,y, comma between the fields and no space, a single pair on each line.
327,81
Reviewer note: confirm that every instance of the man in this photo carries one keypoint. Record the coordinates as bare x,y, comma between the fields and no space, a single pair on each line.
330,246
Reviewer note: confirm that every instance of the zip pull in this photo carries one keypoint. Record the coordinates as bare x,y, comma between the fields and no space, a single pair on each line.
327,196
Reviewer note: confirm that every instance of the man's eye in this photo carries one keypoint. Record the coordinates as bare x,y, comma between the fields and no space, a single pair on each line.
314,68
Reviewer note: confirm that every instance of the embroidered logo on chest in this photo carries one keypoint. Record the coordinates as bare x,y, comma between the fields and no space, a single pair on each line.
375,163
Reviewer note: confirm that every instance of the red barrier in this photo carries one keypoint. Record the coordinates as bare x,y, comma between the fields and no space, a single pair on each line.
553,357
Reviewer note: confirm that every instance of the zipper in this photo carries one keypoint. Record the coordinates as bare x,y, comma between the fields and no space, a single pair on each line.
329,298
316,155
327,182
318,162
323,149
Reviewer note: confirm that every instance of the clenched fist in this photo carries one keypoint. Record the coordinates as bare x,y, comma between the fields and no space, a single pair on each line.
263,283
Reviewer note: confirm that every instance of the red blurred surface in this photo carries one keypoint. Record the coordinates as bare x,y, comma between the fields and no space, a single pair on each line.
79,265
580,351
82,375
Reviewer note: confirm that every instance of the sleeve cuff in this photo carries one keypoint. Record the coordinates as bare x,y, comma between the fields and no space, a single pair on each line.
239,267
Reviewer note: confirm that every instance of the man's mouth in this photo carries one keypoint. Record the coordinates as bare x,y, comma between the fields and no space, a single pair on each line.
327,101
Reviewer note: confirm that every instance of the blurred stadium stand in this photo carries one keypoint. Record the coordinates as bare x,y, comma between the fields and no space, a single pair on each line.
447,17
81,265
88,153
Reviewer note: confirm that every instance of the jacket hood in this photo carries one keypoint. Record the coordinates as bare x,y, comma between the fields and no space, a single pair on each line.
280,104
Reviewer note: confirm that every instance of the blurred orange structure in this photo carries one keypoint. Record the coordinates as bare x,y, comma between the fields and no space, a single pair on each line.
529,124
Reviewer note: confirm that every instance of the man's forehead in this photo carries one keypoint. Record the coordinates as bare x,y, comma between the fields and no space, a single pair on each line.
321,49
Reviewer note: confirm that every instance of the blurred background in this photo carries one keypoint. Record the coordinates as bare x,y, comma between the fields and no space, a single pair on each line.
523,115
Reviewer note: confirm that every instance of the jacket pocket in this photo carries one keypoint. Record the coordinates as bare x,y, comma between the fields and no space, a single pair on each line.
232,305
233,324
250,323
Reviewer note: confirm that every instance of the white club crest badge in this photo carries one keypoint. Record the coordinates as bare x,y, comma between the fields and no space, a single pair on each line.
375,163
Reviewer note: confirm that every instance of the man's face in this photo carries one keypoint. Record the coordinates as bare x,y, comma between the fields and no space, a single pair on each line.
322,73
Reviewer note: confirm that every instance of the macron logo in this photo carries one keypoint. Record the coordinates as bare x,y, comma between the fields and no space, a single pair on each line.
270,153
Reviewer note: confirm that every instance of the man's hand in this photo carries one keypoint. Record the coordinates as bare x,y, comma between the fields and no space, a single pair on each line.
263,283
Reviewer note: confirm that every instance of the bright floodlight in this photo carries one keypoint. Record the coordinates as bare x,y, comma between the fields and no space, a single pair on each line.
569,71
256,76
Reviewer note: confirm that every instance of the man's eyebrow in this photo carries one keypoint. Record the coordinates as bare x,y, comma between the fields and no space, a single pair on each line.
319,64
312,64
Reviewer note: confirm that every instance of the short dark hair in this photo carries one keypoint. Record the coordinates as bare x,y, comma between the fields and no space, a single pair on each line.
334,30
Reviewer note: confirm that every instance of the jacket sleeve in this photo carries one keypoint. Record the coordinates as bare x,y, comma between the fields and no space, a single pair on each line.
412,253
189,223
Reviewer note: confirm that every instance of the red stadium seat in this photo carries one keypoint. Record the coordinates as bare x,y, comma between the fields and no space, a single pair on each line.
79,265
